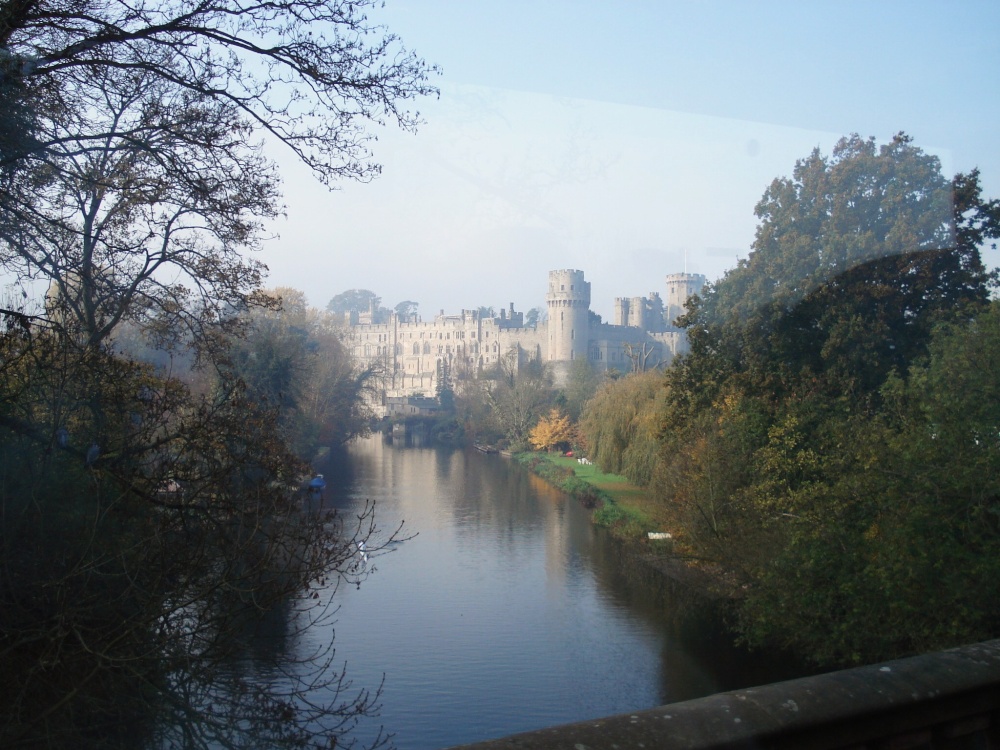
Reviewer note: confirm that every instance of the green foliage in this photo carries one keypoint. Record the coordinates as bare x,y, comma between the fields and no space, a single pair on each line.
406,308
578,481
831,439
620,425
581,385
627,523
565,479
146,529
354,300
516,396
856,258
902,542
291,358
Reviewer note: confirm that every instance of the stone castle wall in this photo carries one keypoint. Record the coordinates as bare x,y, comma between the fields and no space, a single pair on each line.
414,354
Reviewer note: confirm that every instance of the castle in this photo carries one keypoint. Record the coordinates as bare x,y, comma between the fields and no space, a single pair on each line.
417,355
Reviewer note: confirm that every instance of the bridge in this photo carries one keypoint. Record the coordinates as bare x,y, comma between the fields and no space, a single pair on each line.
948,700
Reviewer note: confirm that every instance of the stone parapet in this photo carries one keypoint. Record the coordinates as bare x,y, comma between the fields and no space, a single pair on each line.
948,700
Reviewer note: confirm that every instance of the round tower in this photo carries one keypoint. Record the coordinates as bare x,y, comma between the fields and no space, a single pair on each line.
680,286
568,301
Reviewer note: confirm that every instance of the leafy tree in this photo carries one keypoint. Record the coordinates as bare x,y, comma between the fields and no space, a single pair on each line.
474,413
292,358
406,308
620,425
781,451
582,382
517,395
149,526
551,431
902,544
533,317
354,300
856,258
146,533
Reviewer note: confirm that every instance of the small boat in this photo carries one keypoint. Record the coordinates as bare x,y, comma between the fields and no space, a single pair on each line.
484,448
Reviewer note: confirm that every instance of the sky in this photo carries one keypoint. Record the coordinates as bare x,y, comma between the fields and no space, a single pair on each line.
629,140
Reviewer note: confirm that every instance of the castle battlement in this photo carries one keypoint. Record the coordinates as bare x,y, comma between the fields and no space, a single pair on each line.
415,354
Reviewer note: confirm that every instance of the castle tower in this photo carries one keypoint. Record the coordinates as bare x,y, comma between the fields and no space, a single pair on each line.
568,301
621,311
680,286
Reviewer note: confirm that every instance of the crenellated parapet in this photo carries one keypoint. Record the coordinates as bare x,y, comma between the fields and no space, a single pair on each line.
680,288
412,353
568,301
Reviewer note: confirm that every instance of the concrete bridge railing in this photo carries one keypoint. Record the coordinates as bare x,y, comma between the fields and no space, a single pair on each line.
942,701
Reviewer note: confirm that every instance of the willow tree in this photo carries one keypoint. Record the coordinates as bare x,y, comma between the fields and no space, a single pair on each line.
620,425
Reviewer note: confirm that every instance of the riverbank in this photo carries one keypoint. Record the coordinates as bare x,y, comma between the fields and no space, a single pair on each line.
618,506
627,511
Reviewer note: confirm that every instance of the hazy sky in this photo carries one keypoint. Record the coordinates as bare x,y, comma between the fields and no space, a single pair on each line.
629,140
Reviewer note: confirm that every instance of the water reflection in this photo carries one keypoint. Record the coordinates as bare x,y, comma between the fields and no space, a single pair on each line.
508,610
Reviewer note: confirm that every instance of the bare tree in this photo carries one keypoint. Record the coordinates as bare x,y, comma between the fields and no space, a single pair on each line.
148,224
311,73
517,397
638,354
147,527
141,178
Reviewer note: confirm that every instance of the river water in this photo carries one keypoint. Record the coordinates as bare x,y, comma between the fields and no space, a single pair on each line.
508,611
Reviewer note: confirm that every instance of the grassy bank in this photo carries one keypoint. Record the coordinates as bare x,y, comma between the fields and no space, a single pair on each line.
622,507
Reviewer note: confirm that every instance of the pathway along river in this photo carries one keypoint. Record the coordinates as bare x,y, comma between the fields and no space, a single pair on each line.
508,611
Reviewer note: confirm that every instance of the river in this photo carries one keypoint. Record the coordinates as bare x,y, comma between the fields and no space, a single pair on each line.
507,610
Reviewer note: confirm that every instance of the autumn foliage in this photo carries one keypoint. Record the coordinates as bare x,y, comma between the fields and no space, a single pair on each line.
551,431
